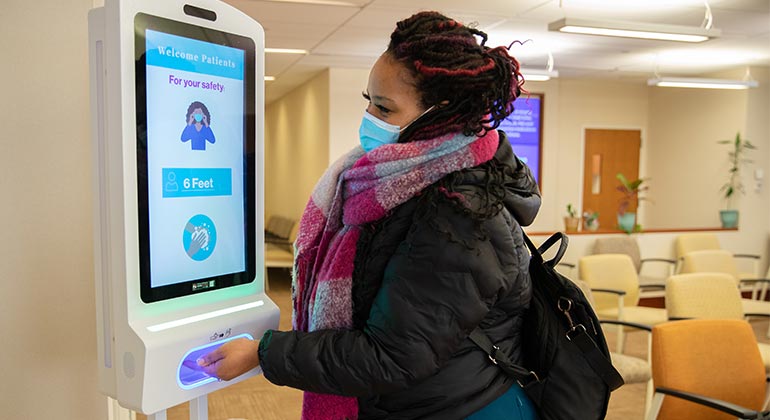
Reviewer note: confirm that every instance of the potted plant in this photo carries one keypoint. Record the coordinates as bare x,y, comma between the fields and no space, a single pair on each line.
591,220
737,158
631,191
571,220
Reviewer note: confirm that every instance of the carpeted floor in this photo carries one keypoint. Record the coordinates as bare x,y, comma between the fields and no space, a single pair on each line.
257,399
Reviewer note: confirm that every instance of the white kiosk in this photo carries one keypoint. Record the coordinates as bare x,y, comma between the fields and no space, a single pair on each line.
177,127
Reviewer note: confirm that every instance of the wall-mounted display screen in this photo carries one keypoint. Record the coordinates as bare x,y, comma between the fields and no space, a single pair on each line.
524,128
195,158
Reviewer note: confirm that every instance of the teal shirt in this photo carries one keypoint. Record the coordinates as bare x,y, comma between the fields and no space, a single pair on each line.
513,405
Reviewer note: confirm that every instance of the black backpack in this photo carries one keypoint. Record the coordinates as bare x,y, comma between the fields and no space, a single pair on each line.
567,371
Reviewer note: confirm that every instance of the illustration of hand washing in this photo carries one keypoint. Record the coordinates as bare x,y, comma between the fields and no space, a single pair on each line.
199,237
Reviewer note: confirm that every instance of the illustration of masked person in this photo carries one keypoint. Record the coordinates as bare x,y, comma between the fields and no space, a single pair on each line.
198,130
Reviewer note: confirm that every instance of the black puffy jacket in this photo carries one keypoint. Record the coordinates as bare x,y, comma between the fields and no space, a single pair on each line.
424,277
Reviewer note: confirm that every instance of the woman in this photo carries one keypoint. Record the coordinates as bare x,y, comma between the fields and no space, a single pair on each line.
409,243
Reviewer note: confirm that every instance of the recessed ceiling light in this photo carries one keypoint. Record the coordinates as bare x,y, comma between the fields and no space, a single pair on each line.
269,78
634,30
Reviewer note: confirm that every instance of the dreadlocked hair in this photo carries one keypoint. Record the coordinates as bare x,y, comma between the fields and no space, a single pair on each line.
472,85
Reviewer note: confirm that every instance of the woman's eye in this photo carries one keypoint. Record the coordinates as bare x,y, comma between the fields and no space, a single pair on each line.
382,109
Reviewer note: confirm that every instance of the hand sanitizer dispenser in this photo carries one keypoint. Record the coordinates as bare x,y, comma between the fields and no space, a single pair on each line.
177,127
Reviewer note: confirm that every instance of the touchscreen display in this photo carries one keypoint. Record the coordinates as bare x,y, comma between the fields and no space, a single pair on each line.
193,153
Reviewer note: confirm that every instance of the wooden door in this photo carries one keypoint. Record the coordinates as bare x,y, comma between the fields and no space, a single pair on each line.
607,153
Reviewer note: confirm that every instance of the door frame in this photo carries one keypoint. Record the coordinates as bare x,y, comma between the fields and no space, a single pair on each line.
640,212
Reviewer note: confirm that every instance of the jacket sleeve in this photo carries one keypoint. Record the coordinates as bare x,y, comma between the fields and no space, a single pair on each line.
437,288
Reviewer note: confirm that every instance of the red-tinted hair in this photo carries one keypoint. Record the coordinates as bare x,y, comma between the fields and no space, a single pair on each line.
472,85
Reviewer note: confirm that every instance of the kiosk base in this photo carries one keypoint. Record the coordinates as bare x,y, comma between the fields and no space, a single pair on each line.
199,410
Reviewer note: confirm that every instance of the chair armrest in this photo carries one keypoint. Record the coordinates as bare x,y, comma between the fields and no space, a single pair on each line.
754,281
717,404
613,291
657,286
663,260
626,324
765,315
749,256
566,264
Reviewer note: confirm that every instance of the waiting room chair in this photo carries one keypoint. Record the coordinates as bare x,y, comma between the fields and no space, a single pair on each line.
280,254
613,280
721,261
689,242
708,296
628,245
707,369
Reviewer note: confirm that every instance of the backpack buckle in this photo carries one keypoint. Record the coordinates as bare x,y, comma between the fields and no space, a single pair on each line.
529,379
492,354
577,329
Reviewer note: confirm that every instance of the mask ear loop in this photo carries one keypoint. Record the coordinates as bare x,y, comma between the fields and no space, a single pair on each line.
418,117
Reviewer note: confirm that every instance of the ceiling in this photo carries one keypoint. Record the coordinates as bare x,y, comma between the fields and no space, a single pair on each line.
353,33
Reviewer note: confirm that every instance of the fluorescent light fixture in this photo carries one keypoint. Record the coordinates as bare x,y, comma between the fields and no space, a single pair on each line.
532,75
691,82
634,30
285,51
204,316
269,78
320,2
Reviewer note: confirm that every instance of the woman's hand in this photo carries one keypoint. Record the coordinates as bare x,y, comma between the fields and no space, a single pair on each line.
232,359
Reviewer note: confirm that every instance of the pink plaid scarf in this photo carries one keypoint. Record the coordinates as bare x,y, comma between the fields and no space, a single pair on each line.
358,189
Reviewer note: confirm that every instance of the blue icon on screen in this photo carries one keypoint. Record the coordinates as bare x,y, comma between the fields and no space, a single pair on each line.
197,129
199,237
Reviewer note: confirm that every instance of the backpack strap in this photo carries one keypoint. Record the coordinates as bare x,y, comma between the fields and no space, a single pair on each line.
520,374
537,253
584,343
596,358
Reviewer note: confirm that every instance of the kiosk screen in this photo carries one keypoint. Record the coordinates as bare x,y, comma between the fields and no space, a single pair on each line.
195,158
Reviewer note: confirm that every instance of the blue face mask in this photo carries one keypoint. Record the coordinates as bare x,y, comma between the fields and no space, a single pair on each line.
375,132
198,117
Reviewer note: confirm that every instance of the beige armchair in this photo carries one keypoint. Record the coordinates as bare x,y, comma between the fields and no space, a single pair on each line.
280,254
628,245
708,296
613,280
721,261
689,242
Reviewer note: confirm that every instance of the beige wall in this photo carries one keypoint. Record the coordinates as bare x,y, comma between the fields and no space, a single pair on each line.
756,205
47,300
296,146
689,166
346,108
